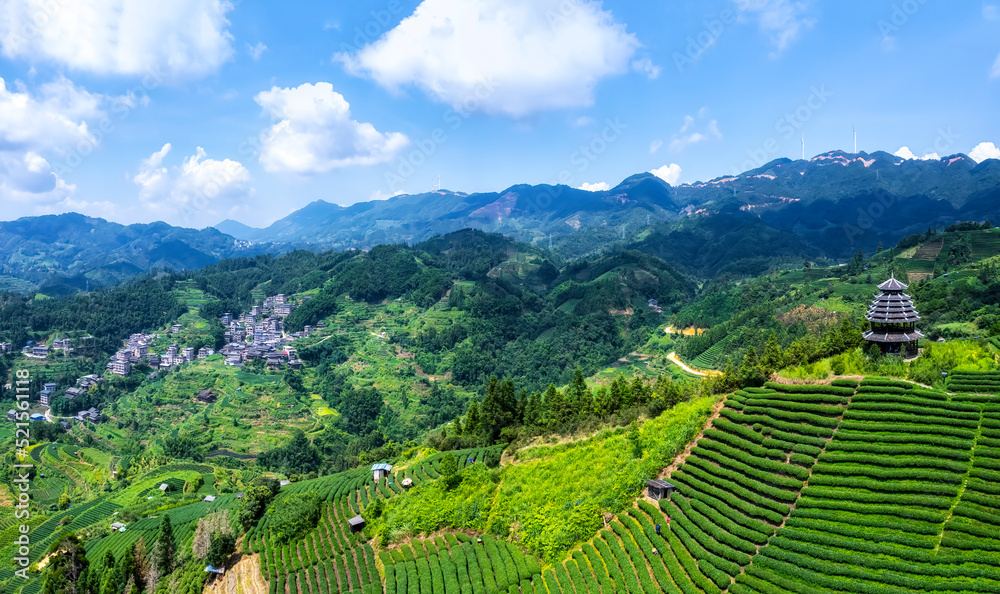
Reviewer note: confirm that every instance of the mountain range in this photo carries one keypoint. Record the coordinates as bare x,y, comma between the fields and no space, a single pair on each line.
832,205
71,252
834,202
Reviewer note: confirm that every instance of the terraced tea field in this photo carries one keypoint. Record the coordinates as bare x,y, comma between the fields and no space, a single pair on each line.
331,558
882,487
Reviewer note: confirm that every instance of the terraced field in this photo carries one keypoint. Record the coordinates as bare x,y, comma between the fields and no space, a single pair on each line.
331,558
882,487
709,359
460,564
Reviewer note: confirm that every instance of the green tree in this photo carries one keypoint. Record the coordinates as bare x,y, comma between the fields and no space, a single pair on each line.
498,409
360,410
472,419
222,546
578,395
773,359
255,502
67,564
166,546
751,373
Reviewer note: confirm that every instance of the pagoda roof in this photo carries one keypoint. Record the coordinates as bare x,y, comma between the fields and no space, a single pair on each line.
873,336
892,284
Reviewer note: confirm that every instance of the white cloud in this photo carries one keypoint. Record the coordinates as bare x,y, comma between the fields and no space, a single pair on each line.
983,151
655,146
256,50
52,119
583,121
135,37
995,71
380,195
782,20
906,153
669,173
596,187
198,191
687,135
646,67
991,12
38,127
315,132
511,57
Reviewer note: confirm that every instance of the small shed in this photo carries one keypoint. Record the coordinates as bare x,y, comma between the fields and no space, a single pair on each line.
659,489
283,483
205,396
118,527
357,523
407,483
210,498
164,487
381,470
218,570
37,417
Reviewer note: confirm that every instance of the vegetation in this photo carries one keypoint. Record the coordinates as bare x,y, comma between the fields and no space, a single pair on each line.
527,404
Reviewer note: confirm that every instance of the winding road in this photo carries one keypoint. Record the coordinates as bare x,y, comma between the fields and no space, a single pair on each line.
685,367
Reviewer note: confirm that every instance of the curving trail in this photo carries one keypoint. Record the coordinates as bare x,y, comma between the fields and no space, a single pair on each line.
673,358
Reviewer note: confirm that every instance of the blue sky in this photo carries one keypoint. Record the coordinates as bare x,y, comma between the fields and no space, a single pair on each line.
201,110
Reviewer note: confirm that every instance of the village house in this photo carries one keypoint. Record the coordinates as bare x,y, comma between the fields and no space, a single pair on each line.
205,396
121,366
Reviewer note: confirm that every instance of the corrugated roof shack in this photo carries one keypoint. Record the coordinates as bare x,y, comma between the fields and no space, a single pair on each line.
658,489
381,470
357,524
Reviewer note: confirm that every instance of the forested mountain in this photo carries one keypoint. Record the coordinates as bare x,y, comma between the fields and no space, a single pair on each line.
70,252
833,203
742,224
451,358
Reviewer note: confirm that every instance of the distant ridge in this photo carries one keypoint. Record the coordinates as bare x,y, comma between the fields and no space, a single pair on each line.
806,197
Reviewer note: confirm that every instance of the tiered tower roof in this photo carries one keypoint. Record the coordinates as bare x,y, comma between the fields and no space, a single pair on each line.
892,308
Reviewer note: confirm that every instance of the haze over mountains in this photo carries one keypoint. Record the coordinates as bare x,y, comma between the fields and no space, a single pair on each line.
830,205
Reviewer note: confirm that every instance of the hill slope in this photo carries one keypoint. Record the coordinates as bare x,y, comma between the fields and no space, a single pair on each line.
69,252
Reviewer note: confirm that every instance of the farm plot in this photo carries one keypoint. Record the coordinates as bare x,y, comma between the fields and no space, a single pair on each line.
329,558
982,382
736,486
459,564
891,486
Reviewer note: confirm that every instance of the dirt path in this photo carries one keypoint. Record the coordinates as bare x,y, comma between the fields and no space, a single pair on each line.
673,358
242,578
679,460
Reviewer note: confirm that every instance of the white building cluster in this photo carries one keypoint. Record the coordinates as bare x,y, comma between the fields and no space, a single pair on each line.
259,334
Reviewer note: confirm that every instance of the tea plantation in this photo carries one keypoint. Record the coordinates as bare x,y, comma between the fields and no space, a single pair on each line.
877,487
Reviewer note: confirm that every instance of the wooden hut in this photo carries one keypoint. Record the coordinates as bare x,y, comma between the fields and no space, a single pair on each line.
357,524
658,489
381,470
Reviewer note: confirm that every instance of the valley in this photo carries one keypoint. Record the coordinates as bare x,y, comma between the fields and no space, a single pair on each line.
505,473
